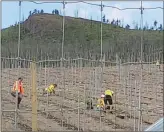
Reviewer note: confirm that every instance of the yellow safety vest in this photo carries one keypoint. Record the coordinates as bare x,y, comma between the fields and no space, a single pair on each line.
100,103
109,92
50,88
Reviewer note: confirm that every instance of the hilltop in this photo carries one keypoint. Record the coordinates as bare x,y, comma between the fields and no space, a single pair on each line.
41,36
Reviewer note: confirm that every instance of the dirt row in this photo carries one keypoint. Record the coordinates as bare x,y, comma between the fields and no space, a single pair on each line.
149,115
90,122
58,99
24,119
153,83
73,116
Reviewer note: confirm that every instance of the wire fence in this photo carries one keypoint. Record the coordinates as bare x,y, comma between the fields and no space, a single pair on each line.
79,82
135,78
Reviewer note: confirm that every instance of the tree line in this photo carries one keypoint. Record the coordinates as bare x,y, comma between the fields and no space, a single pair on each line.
35,11
135,24
117,22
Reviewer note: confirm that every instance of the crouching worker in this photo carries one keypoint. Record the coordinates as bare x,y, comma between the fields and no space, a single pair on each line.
108,99
18,86
100,103
50,90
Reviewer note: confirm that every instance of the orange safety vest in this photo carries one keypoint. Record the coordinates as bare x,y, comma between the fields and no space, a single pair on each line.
18,86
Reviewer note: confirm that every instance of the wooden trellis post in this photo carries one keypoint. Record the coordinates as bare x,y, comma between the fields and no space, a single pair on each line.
34,97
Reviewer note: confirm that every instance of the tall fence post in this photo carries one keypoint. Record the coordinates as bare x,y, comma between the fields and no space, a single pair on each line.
0,76
34,97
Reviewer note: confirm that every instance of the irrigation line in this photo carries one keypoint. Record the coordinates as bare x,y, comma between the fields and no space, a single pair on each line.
76,59
112,62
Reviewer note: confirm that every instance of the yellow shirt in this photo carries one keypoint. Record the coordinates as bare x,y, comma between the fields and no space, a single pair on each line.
109,92
50,88
100,103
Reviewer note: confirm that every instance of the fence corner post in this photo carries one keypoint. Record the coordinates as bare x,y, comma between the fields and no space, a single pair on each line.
34,96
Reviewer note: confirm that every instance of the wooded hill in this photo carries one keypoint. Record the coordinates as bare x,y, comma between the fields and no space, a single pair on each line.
41,37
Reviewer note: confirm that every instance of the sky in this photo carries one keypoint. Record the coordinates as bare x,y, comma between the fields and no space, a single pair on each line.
10,11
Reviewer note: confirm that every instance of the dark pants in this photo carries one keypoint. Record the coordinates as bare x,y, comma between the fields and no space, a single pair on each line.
19,97
108,99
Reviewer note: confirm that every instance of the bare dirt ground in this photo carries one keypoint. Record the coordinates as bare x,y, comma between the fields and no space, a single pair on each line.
75,86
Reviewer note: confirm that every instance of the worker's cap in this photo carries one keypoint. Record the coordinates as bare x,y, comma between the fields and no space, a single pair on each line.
102,95
20,78
55,84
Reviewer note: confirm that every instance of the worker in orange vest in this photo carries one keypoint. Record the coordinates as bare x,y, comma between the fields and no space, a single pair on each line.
18,85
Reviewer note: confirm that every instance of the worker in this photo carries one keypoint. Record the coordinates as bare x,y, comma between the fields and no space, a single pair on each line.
18,86
50,89
101,104
108,99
